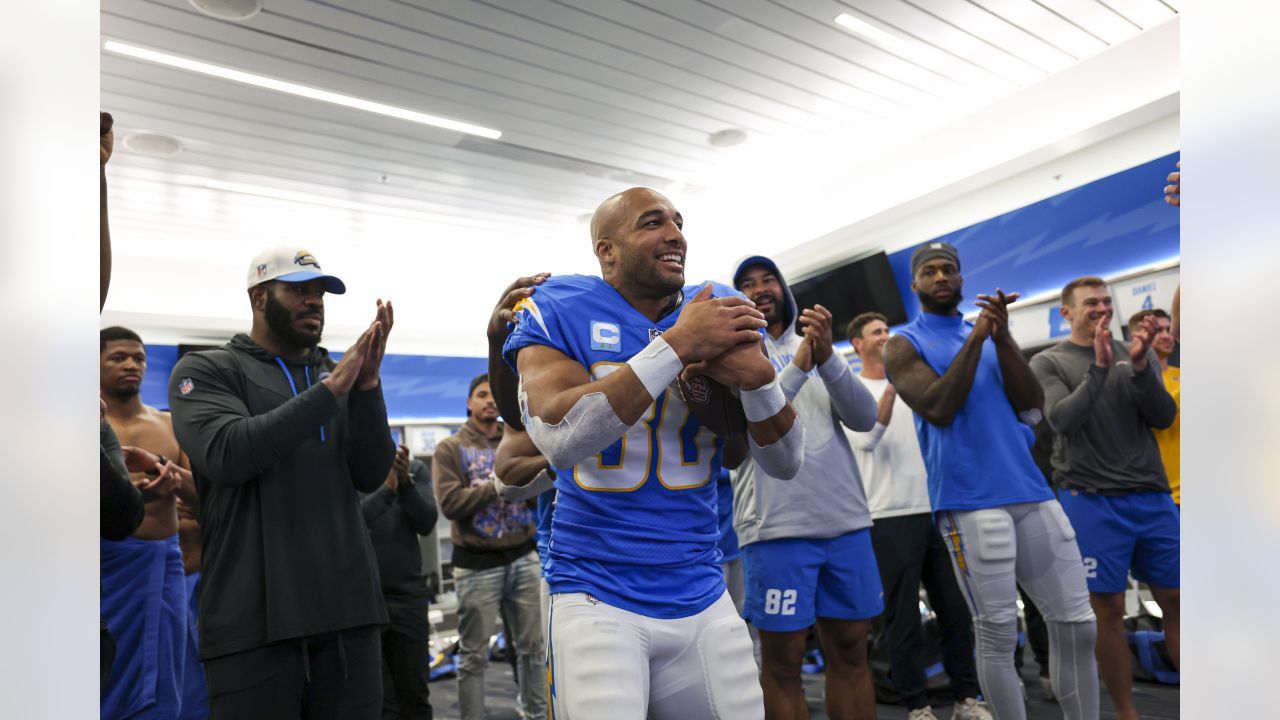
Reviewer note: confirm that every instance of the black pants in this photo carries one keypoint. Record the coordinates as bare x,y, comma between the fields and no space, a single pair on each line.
406,665
335,676
909,549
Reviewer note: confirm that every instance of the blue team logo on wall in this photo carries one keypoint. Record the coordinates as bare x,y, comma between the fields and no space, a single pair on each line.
606,336
1058,325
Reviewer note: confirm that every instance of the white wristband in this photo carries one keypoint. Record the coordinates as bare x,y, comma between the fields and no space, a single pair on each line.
764,402
656,366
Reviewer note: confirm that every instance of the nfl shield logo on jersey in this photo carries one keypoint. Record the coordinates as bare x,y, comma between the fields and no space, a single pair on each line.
606,336
699,390
186,386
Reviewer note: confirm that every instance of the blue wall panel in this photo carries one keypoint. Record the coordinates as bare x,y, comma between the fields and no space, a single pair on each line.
415,386
1106,227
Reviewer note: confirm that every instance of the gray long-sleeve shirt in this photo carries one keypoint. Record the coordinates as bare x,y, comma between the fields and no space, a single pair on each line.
1102,419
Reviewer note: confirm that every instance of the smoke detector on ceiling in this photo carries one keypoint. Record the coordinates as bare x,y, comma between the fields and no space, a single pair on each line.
228,9
153,144
727,138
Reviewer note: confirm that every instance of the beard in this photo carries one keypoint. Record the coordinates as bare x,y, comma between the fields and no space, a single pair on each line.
645,273
124,393
940,307
280,322
774,316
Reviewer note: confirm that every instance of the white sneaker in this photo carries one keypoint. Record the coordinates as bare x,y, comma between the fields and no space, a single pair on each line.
924,713
971,709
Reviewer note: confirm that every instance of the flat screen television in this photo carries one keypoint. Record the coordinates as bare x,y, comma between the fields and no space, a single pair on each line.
863,285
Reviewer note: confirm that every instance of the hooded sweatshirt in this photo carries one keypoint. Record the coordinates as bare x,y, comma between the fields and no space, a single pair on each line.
277,461
487,531
826,498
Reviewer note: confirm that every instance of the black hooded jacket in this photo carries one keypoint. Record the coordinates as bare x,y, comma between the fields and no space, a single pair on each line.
278,460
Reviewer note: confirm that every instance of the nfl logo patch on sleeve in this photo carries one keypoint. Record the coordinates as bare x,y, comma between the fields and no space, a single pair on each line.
186,386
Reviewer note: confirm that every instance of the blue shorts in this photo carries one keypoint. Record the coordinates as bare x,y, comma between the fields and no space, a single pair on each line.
1119,533
792,582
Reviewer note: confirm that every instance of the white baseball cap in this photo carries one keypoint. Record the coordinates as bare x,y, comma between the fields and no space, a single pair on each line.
290,264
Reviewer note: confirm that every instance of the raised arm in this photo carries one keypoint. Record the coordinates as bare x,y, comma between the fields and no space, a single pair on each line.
417,501
853,403
106,141
935,398
1155,404
502,381
370,449
1020,383
227,444
870,440
1067,410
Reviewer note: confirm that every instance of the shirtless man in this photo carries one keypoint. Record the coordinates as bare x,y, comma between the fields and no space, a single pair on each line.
144,571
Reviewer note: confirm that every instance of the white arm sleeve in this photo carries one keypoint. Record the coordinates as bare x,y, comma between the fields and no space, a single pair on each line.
590,426
854,403
541,483
782,459
791,379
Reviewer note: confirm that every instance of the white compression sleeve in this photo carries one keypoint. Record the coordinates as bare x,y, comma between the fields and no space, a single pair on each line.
782,459
590,426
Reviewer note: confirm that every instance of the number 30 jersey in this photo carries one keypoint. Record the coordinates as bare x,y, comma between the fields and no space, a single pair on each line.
634,524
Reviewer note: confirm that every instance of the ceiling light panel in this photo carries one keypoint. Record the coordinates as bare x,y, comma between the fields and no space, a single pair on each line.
289,88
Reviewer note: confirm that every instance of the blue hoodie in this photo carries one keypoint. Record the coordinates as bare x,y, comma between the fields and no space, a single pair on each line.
826,498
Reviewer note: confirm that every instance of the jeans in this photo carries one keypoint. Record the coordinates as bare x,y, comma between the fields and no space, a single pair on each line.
515,589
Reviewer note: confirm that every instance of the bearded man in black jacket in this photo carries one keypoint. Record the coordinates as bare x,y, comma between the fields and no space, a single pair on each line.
280,439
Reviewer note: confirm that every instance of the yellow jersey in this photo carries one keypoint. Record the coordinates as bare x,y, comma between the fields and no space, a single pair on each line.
1167,439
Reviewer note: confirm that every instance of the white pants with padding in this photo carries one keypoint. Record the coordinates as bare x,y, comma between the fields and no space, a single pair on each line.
606,662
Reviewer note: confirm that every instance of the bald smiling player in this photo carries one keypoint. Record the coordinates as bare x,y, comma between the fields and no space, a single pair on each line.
641,625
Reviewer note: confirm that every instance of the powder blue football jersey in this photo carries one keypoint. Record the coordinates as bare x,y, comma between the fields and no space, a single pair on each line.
635,524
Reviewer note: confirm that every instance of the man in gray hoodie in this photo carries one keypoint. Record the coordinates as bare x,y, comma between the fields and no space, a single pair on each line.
806,542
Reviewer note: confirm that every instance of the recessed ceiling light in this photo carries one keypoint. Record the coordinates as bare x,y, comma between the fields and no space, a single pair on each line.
728,138
228,9
152,144
299,90
868,30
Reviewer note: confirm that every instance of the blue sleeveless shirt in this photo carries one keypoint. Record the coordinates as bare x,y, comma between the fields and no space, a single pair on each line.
983,458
